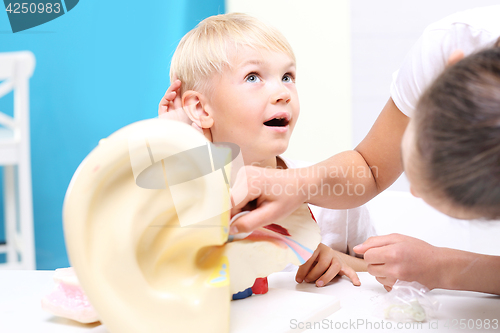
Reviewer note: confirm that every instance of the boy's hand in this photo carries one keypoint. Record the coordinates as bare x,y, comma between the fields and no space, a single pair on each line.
170,106
323,266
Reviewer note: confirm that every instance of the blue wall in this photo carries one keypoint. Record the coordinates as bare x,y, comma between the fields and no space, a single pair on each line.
99,67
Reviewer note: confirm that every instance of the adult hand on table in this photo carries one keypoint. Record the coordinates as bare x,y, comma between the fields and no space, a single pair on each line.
398,257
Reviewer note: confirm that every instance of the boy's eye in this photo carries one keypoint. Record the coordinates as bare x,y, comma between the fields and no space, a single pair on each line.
252,78
288,78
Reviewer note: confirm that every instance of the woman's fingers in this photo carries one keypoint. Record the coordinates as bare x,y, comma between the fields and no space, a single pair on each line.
377,241
386,282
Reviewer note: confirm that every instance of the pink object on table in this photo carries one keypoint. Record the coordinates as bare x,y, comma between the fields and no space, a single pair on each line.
68,299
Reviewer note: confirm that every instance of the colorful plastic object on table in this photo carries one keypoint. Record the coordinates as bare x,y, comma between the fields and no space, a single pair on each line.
148,257
68,299
243,294
260,286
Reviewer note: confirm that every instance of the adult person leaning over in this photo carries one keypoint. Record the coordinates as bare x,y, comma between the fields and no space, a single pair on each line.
394,256
451,156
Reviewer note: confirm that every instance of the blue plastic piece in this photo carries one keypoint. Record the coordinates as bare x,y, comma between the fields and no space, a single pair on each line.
243,294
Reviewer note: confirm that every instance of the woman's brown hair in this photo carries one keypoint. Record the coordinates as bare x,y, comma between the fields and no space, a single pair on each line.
458,133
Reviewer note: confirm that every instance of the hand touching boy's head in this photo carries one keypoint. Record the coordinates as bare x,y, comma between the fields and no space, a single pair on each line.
207,49
238,80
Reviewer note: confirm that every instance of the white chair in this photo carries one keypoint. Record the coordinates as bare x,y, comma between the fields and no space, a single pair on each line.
16,69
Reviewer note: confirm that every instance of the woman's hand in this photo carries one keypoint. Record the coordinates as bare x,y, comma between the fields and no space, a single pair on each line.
399,257
276,193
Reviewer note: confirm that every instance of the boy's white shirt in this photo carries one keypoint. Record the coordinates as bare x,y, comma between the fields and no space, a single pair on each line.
470,31
341,229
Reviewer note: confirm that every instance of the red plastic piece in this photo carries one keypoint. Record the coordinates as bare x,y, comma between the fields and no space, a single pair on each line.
278,229
260,286
312,215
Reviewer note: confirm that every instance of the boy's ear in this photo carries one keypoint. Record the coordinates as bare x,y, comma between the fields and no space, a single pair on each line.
196,108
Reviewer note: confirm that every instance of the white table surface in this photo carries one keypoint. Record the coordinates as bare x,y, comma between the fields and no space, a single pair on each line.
21,292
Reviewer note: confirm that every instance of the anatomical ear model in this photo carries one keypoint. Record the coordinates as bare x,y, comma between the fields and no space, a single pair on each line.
146,221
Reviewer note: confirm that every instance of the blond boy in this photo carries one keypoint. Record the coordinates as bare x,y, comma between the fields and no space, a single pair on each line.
233,77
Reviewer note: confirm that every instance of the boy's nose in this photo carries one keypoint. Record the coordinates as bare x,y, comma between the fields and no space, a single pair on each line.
282,97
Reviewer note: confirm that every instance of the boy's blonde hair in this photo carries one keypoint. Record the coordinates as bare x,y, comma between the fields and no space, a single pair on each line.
205,50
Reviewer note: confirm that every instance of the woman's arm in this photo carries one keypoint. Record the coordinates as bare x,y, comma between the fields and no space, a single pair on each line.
368,169
470,271
346,180
395,256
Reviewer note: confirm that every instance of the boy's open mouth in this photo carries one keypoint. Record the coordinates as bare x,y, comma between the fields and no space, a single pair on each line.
277,122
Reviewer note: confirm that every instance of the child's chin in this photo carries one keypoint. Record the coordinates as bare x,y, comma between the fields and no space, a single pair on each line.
281,149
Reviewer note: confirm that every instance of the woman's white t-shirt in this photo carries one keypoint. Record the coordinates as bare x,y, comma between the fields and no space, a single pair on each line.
470,31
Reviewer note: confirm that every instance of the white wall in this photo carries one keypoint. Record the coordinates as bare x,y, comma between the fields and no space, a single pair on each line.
400,212
383,31
319,34
346,53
